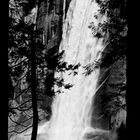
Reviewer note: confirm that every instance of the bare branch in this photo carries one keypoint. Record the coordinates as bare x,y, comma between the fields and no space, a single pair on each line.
20,131
17,122
24,109
13,66
27,114
21,104
24,75
25,90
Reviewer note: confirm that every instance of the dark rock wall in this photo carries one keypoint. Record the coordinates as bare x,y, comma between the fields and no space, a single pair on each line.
50,20
109,105
49,29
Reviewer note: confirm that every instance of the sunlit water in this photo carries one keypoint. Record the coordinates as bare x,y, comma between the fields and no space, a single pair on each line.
72,107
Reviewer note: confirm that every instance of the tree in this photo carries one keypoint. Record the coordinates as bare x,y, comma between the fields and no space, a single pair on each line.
22,66
33,88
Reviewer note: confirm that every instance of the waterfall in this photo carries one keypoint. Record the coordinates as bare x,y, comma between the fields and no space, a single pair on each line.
72,107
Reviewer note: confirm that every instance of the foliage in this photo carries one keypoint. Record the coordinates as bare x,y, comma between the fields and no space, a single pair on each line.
114,31
19,65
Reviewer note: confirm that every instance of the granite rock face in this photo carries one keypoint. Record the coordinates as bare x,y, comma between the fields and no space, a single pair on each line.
49,28
50,20
109,105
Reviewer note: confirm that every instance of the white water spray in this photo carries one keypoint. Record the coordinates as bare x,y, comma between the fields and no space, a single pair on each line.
71,107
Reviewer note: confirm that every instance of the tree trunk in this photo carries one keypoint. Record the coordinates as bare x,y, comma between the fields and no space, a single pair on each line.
33,90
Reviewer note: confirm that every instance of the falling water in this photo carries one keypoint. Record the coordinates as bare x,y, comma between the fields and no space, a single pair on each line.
72,107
